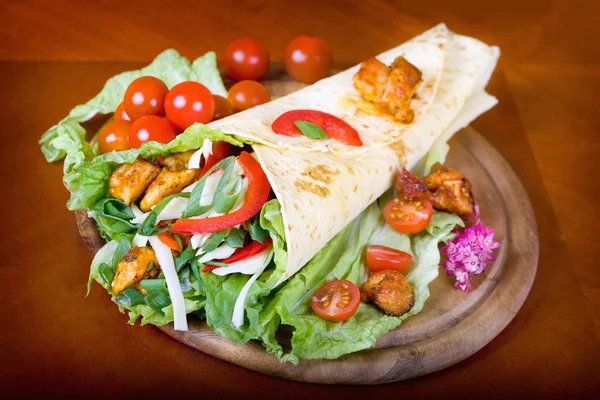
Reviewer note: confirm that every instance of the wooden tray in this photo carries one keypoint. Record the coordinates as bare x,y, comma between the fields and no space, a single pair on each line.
452,325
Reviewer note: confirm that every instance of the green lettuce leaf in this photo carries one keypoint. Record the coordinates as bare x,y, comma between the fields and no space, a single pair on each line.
168,66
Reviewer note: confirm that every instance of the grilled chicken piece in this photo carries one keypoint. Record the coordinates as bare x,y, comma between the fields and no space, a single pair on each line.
450,191
166,183
129,181
410,186
390,291
370,78
133,267
177,161
391,89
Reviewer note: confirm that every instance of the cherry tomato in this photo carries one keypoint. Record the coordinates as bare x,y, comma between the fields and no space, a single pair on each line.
380,258
222,107
333,126
113,136
145,96
408,216
246,58
120,113
150,128
307,59
247,94
336,300
189,102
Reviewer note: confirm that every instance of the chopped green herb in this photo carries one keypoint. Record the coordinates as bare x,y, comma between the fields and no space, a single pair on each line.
153,285
120,251
148,227
107,272
214,241
257,232
158,300
225,199
129,298
311,130
194,208
184,257
235,238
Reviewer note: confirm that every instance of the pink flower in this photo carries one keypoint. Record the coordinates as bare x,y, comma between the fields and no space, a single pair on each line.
468,254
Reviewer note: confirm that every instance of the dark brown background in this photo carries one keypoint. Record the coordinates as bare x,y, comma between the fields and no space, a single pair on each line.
56,54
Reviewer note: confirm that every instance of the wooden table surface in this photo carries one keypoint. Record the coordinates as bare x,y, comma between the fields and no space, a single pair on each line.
55,54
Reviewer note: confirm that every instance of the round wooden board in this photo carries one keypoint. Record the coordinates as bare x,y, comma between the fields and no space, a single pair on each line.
452,325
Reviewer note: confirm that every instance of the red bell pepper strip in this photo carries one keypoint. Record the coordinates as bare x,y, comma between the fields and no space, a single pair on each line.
220,151
242,253
333,126
256,196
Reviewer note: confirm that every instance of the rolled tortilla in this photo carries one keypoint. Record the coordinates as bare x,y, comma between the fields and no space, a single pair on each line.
453,67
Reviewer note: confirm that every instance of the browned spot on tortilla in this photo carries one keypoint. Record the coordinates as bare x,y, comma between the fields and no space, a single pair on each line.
312,187
296,207
321,173
440,46
289,227
351,170
370,197
400,150
355,188
390,168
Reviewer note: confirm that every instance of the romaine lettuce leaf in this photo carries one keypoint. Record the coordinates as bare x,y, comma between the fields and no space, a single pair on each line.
168,66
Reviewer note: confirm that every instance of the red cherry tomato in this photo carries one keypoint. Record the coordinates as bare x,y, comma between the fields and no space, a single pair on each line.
113,136
333,126
223,107
380,258
336,300
187,103
246,58
120,113
145,96
408,216
150,128
307,59
247,94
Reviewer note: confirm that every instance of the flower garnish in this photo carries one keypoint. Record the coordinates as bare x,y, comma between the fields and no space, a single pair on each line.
468,253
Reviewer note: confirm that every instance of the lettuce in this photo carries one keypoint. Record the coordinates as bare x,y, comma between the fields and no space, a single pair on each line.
342,258
169,66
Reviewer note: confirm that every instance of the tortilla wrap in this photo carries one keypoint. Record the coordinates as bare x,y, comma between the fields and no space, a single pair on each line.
453,67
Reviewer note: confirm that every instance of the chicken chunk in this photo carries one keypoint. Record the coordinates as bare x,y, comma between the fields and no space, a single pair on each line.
129,181
391,89
166,183
409,185
137,264
177,161
390,291
450,191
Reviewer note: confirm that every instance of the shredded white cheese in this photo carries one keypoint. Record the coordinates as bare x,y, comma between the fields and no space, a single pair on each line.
248,266
167,265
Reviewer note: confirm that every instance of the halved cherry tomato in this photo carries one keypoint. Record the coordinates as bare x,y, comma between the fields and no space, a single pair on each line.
223,107
333,126
150,128
380,258
189,102
220,151
114,136
169,241
145,96
246,58
120,113
336,300
408,216
256,196
307,59
247,94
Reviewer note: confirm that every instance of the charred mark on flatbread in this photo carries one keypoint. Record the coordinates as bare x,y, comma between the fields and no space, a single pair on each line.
311,187
321,173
